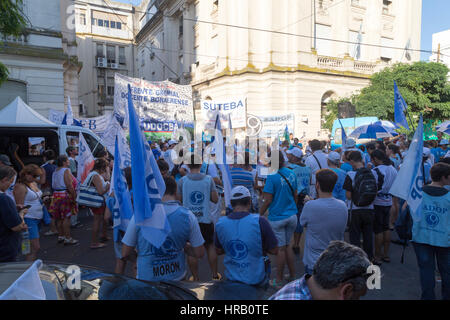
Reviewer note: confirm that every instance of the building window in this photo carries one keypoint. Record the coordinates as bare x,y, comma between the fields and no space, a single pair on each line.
356,2
113,24
82,18
386,6
100,50
215,5
106,24
94,21
119,25
180,29
100,22
110,91
122,59
111,54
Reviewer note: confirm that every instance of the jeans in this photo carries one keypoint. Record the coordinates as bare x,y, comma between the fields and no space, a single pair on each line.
426,257
362,221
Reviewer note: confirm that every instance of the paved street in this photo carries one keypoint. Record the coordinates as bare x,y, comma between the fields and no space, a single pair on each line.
399,281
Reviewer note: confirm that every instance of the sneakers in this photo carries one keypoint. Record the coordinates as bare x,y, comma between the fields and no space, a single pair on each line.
218,278
50,233
70,242
61,239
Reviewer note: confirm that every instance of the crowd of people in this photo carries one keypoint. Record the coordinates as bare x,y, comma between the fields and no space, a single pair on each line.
314,193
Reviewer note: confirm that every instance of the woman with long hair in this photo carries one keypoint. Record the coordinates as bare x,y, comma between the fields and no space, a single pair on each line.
101,167
28,193
64,203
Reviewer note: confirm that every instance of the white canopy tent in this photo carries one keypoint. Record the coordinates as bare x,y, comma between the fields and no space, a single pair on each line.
19,114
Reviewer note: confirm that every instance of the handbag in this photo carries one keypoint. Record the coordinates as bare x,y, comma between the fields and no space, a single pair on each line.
88,195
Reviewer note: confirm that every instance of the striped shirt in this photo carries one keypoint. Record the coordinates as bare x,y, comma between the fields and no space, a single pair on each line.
242,177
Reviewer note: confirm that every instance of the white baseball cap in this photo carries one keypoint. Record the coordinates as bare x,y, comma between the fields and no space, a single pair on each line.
443,142
334,157
240,192
296,152
350,143
171,142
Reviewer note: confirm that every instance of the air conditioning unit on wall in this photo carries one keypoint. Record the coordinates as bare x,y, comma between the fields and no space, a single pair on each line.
101,62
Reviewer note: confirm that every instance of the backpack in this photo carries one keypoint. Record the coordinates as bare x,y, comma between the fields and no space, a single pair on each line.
403,227
366,187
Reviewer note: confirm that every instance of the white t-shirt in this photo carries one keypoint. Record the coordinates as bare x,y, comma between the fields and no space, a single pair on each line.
314,164
383,197
168,156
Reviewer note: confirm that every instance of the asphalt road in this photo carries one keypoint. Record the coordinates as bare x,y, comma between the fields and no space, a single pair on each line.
399,281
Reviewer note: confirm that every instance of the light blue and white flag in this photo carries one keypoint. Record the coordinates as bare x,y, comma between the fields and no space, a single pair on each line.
28,286
123,209
357,53
222,163
148,184
409,182
400,107
344,135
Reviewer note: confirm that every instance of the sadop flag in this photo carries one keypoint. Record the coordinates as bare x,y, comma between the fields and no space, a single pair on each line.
400,107
28,286
123,209
222,163
409,182
148,184
85,159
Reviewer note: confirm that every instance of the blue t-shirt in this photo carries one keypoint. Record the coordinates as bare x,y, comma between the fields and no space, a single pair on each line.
346,167
283,203
9,240
338,191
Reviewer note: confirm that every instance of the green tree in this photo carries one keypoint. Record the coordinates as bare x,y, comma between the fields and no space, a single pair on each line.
423,85
12,23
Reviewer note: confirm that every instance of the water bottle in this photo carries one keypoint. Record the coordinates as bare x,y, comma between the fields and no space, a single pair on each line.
26,249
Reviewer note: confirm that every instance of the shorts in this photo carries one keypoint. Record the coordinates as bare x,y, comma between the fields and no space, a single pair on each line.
33,227
98,211
381,221
207,231
284,229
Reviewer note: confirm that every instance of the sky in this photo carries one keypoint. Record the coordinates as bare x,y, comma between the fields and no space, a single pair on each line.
435,18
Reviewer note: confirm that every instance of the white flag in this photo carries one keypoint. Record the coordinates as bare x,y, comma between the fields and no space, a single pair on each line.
27,287
85,159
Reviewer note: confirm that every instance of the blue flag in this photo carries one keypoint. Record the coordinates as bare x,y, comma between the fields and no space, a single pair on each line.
222,163
400,108
344,135
148,184
409,182
123,209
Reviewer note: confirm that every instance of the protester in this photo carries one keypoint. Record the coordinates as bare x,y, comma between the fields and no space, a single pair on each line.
163,168
382,206
280,197
325,219
196,190
426,165
340,273
346,166
72,153
316,161
27,193
362,186
49,167
242,175
95,178
350,145
394,154
11,221
241,229
333,160
63,204
303,174
168,261
170,154
431,233
4,161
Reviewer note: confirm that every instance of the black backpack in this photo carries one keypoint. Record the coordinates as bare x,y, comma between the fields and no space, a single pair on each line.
366,187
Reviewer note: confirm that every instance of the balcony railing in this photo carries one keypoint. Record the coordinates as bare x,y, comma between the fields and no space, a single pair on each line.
364,66
329,62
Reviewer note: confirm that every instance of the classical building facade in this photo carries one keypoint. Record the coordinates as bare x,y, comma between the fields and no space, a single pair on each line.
275,52
42,63
104,36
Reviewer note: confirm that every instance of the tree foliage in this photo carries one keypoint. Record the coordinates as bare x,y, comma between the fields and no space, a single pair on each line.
423,85
12,23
